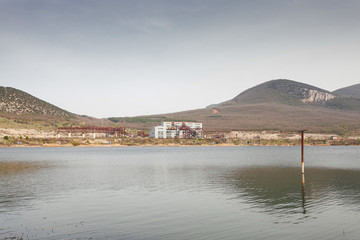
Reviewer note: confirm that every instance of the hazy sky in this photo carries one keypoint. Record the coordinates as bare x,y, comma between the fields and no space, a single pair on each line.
125,58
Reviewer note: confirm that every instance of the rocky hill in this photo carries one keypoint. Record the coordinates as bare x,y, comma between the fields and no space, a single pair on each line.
283,91
281,105
293,93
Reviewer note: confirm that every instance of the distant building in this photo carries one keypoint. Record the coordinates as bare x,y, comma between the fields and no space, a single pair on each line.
177,130
158,132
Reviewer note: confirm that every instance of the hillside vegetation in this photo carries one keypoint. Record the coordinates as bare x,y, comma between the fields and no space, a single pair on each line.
16,102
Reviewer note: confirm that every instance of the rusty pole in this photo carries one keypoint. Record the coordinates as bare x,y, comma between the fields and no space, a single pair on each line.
303,170
302,151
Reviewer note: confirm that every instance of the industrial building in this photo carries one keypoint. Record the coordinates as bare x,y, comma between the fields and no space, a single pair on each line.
177,130
95,132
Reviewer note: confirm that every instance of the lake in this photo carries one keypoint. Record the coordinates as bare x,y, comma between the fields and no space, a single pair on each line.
179,193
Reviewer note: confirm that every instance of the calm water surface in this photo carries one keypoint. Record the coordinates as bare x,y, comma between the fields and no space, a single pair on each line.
179,193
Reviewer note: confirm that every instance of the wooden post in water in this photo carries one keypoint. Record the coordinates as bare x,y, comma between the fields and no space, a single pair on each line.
302,151
303,171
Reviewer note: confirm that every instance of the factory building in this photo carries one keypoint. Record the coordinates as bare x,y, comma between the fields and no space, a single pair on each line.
177,130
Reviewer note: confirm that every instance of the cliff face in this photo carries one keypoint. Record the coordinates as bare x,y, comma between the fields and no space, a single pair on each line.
314,96
304,92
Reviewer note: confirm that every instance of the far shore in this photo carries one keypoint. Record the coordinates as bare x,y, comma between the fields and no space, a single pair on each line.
22,138
164,145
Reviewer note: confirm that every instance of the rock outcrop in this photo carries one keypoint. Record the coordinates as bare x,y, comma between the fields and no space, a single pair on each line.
314,96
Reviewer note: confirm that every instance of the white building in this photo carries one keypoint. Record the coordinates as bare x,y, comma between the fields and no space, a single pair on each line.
177,130
158,132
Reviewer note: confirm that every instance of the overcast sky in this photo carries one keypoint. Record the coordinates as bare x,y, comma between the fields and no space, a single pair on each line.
126,58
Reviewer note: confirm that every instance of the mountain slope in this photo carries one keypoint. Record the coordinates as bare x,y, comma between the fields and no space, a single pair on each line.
19,109
16,102
351,91
281,105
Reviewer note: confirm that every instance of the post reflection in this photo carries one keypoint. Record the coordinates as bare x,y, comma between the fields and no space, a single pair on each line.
275,190
303,193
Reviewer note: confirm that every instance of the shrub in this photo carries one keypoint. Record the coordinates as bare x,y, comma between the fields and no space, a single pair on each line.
6,138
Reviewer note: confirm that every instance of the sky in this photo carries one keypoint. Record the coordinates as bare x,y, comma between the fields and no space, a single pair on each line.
117,58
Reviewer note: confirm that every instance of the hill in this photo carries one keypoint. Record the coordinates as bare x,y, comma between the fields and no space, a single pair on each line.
282,91
351,91
16,102
277,105
280,105
19,109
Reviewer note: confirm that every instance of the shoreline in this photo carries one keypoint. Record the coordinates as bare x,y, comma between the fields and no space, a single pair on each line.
233,139
167,145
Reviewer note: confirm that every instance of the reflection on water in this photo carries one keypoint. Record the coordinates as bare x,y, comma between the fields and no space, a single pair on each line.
282,191
15,183
303,193
9,168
